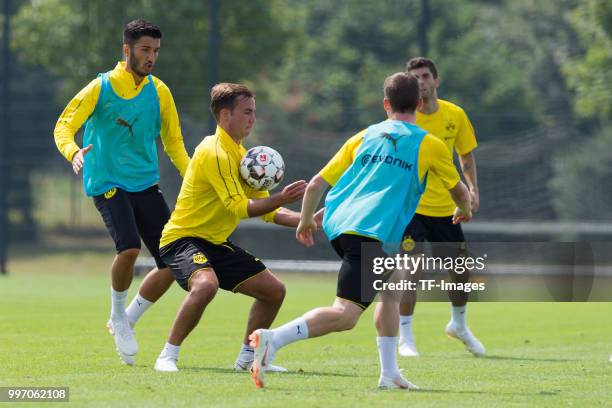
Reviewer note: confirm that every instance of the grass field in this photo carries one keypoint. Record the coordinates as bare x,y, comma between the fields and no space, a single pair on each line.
54,308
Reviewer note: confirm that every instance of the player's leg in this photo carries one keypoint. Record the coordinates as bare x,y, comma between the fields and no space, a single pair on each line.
193,272
450,242
414,236
116,210
342,315
153,286
386,320
241,272
202,290
353,293
269,293
152,214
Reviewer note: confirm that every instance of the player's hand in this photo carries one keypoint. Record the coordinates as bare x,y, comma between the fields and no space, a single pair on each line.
79,158
305,232
460,216
293,192
318,217
475,200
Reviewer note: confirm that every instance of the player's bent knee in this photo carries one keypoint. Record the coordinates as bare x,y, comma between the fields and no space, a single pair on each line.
129,253
203,289
345,324
349,321
278,293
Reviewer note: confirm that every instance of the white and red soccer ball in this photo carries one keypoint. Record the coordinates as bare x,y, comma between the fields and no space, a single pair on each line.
262,168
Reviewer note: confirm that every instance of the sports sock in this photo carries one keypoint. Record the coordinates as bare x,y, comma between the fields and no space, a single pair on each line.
288,333
405,327
170,351
247,349
247,353
387,354
458,316
118,303
137,307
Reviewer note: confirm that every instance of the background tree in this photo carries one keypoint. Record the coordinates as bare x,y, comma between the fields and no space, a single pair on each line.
76,39
584,171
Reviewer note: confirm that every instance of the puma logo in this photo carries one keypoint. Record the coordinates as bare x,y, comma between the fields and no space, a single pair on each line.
391,139
123,122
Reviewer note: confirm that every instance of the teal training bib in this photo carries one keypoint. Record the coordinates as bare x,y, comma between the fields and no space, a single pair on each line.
378,194
123,134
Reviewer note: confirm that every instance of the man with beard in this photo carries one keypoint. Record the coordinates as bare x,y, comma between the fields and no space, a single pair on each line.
124,111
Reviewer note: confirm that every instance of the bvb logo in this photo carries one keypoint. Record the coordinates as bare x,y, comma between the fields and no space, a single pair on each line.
450,126
110,193
408,244
199,258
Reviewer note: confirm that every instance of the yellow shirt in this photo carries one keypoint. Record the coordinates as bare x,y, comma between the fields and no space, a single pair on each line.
433,155
451,125
213,196
83,104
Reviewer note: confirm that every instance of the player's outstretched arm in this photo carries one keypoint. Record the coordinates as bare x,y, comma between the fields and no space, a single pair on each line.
290,218
308,226
290,194
287,217
461,196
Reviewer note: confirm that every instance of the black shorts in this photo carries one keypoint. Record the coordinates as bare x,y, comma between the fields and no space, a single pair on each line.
447,237
232,264
355,278
131,216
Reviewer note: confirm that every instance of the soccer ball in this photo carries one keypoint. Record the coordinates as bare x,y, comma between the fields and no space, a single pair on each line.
262,168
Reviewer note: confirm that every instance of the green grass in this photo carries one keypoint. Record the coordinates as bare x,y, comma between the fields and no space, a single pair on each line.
54,308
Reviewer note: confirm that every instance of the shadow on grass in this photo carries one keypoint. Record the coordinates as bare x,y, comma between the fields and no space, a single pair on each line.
533,394
288,373
510,358
437,391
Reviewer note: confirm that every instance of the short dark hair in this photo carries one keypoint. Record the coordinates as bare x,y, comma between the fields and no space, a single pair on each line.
420,62
140,28
402,91
224,95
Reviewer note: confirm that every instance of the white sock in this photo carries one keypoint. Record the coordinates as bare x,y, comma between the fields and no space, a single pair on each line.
247,353
246,348
118,303
170,351
405,327
138,306
288,333
387,353
458,316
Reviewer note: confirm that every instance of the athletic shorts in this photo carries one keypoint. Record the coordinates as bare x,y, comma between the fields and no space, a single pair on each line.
441,230
355,278
131,216
232,264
